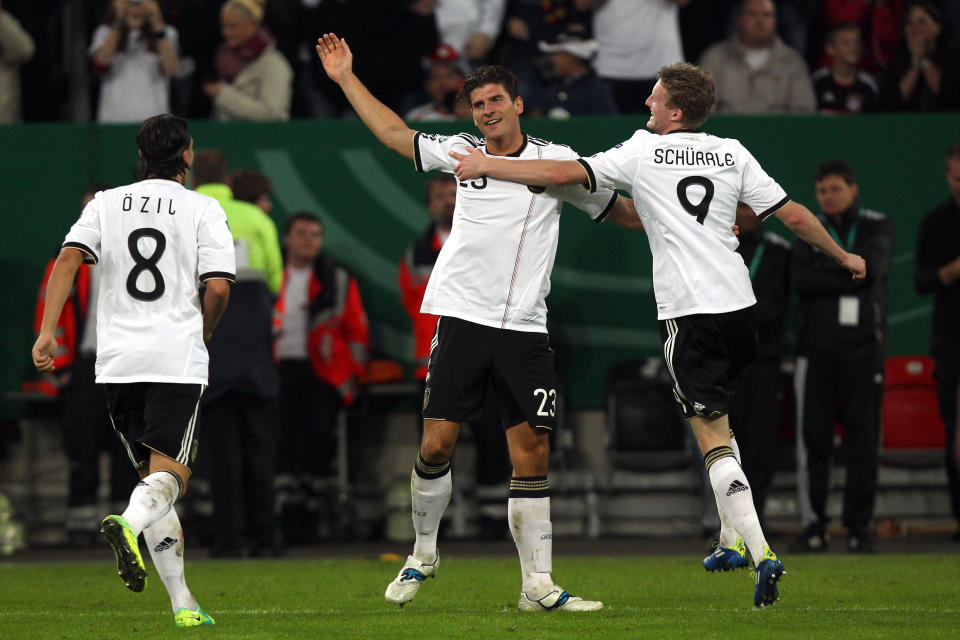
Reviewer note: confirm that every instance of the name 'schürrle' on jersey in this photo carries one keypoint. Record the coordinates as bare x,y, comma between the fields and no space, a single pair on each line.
494,269
153,242
685,186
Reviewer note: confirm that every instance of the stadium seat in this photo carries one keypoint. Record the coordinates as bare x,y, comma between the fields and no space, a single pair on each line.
913,433
646,429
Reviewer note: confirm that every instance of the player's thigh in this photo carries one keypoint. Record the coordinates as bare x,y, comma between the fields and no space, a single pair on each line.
171,413
524,379
125,406
708,356
458,370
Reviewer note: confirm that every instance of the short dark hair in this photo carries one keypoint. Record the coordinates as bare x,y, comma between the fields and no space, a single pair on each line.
249,185
953,152
437,178
690,89
162,140
838,28
210,166
298,216
837,168
490,74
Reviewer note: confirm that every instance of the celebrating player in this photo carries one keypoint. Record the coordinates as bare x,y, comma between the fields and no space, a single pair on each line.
489,287
688,184
154,241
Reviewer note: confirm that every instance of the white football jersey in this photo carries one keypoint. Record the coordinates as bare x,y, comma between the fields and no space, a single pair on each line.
686,185
154,242
494,269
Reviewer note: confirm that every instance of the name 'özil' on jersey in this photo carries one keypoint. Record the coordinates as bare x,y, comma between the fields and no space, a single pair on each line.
495,267
685,186
154,242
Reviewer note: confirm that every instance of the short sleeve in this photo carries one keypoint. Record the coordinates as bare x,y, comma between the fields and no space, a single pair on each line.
85,233
215,257
597,204
758,190
614,168
432,151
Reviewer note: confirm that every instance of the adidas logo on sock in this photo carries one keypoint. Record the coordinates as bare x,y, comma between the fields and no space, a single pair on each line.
736,486
165,544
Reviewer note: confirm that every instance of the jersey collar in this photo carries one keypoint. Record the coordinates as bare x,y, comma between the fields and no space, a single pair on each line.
693,130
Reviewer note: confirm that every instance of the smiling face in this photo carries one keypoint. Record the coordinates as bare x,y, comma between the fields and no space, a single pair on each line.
920,25
497,116
845,47
663,118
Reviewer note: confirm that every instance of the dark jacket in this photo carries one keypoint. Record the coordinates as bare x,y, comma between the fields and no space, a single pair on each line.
770,275
821,283
937,244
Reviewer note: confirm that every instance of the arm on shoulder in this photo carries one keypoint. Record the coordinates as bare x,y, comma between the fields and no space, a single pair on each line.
474,164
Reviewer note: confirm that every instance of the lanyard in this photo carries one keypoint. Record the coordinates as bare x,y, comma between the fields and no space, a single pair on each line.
851,237
757,256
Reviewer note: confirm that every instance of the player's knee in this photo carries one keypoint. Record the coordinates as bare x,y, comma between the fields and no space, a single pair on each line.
436,451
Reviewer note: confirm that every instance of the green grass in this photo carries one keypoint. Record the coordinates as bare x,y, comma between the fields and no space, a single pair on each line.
834,596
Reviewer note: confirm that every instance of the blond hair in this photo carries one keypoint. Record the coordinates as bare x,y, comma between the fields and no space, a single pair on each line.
253,8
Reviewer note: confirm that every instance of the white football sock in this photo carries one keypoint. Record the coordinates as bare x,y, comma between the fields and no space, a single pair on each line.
164,538
728,535
151,499
532,531
429,499
735,502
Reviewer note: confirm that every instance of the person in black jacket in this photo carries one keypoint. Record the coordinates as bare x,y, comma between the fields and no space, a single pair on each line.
755,416
841,335
937,265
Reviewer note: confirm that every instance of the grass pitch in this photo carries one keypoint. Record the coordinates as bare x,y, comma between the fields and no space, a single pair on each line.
832,596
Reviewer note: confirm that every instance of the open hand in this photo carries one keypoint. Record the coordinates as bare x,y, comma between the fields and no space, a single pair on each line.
336,56
470,165
43,351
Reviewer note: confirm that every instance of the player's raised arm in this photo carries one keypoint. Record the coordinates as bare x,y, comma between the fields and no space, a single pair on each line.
540,172
58,288
389,128
802,222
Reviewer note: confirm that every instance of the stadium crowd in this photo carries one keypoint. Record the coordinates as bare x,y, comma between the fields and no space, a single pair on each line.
254,60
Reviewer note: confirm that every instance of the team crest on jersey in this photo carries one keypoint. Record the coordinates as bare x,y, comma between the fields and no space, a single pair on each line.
426,397
435,136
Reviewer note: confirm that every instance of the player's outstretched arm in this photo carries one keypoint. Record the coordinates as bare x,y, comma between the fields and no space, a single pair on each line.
389,128
803,223
475,164
214,304
58,288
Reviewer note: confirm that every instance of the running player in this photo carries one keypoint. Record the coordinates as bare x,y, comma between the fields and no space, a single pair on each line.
154,242
688,184
489,287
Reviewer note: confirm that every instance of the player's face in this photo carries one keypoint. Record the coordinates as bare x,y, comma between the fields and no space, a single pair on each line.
834,195
495,114
846,47
661,116
953,179
304,240
441,202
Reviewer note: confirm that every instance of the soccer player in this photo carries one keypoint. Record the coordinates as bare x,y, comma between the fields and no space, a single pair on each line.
154,242
489,287
687,184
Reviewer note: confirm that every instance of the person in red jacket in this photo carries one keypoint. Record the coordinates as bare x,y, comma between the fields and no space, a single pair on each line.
322,345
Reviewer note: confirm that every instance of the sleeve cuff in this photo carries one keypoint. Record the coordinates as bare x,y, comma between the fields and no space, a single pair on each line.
603,214
89,256
772,210
218,275
417,162
591,178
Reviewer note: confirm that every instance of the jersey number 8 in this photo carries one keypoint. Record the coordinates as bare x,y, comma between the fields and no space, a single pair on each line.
143,263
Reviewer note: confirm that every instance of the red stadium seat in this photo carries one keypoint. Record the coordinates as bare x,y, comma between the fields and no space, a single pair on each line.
911,419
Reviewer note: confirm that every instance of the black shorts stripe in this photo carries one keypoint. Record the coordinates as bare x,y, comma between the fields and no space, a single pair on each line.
591,179
772,210
89,258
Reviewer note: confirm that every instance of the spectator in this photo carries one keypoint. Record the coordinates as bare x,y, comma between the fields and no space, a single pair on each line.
255,81
469,26
755,415
937,271
444,78
83,413
322,343
575,90
925,74
843,87
16,48
636,38
841,337
253,187
237,416
879,22
755,72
